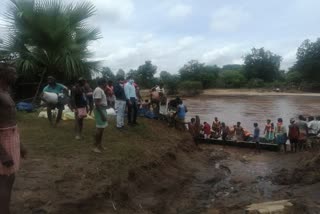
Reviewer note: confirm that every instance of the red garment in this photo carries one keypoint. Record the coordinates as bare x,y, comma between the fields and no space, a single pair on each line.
294,132
207,129
109,91
10,141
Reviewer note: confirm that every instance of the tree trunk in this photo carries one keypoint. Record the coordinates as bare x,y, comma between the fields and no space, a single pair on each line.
38,89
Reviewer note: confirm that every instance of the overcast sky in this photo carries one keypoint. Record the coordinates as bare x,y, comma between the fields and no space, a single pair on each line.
172,32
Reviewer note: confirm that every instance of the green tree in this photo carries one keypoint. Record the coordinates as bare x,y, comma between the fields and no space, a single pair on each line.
232,67
108,74
308,60
232,79
170,82
196,71
121,73
262,64
190,88
49,37
144,75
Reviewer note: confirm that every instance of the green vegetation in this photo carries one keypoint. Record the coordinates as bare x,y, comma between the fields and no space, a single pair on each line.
190,88
50,38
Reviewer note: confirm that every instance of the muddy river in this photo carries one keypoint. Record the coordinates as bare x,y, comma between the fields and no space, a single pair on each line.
250,109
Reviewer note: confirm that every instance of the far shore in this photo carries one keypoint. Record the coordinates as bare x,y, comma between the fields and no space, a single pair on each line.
254,92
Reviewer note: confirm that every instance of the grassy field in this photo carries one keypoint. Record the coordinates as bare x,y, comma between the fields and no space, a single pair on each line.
60,169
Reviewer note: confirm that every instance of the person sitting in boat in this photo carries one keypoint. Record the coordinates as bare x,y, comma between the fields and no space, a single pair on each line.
239,132
224,131
232,133
216,125
206,130
246,135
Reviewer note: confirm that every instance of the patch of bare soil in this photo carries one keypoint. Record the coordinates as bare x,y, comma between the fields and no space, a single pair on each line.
306,172
185,180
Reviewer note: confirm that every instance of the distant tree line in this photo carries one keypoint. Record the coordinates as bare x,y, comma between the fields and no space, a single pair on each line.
51,38
261,68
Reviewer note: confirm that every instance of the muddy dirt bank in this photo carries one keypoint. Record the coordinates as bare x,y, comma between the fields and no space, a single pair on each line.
204,179
142,171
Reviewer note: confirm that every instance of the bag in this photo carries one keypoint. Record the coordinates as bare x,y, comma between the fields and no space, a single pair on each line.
51,98
82,112
23,106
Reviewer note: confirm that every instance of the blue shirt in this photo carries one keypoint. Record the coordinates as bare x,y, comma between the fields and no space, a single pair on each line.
130,91
181,113
57,89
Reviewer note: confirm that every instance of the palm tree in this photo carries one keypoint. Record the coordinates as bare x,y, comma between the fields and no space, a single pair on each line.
50,38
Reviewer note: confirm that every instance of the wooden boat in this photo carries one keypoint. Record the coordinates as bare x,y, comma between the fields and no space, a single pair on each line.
243,144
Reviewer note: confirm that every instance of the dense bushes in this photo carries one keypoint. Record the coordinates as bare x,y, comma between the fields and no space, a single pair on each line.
190,88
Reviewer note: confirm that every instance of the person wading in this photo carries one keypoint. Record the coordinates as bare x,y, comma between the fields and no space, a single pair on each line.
79,106
59,89
10,147
120,104
100,114
131,96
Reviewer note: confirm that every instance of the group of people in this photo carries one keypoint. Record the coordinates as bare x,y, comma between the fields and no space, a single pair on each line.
297,134
124,95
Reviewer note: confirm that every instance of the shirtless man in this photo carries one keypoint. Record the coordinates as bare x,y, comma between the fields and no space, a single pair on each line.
9,138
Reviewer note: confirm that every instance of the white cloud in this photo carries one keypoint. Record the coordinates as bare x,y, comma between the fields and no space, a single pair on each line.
227,54
180,11
115,12
289,59
228,19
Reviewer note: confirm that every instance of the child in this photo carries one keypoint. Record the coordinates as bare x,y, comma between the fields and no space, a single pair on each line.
272,134
206,130
224,131
256,136
267,131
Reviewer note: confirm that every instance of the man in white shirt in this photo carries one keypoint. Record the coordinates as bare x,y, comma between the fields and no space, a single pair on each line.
100,114
314,126
131,95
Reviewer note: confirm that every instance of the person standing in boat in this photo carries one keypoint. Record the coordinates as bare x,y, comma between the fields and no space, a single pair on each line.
206,130
256,136
269,135
293,135
216,126
303,132
281,135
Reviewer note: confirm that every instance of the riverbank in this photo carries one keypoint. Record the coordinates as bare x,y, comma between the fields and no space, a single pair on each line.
254,92
62,175
152,168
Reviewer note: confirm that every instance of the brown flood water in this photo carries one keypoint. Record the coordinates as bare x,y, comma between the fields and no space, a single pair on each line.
250,109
